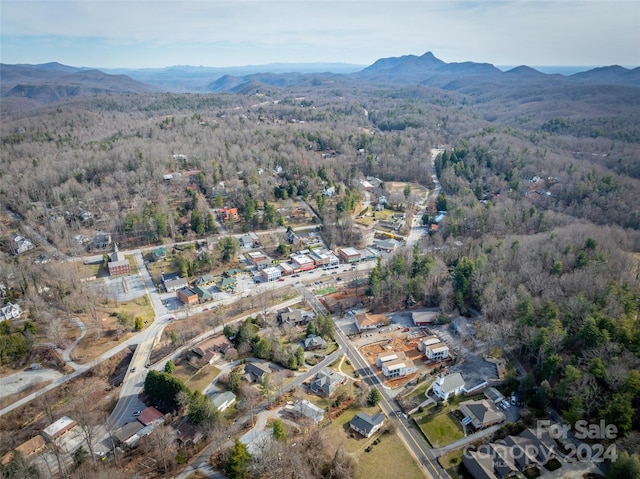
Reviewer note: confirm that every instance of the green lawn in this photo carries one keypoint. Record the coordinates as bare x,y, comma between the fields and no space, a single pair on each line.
325,291
440,429
379,462
193,378
418,393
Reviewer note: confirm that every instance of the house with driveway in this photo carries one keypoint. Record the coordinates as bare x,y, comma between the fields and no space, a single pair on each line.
481,414
449,385
366,425
327,382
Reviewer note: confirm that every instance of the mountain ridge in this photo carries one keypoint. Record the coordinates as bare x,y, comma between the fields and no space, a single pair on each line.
53,81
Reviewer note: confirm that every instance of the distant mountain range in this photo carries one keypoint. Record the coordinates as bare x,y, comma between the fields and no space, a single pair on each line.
50,82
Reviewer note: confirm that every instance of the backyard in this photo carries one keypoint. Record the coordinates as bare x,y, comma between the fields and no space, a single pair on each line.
374,463
440,428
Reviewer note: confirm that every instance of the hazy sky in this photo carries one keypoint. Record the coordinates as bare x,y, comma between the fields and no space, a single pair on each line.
237,33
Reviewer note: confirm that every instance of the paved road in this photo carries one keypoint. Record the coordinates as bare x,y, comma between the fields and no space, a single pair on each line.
425,457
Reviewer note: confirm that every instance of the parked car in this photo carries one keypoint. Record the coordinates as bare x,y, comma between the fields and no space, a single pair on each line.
280,279
136,413
133,369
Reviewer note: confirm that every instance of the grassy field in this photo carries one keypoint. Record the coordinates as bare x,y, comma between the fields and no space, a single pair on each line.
452,463
325,291
418,393
440,429
193,378
389,451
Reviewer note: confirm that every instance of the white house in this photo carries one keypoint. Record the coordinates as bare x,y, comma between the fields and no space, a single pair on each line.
223,400
395,364
449,385
437,351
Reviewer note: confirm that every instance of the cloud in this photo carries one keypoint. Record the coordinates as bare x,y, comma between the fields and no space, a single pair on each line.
241,32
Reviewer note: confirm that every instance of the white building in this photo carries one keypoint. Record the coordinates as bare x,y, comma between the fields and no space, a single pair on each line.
437,351
449,385
395,364
271,273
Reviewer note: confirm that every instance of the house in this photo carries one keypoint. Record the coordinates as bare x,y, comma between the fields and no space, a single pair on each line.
188,433
294,317
227,284
349,255
481,413
159,254
228,214
291,237
367,185
128,434
203,294
255,371
510,456
366,425
489,463
302,262
101,241
424,318
449,385
395,364
10,311
150,415
173,282
427,341
246,241
205,281
437,351
58,428
206,349
27,450
326,381
311,343
187,296
21,245
329,192
223,400
304,408
232,273
118,264
367,322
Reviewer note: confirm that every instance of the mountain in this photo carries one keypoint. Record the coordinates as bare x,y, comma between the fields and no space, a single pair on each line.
35,85
53,82
195,79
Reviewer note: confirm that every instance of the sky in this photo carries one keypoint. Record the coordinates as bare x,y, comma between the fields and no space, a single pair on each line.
159,33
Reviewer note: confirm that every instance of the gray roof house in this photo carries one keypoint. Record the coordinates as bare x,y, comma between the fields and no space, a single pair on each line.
326,382
481,413
314,342
366,425
254,372
223,400
173,282
449,385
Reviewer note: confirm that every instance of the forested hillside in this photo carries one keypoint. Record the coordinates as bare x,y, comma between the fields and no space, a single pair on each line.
541,235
